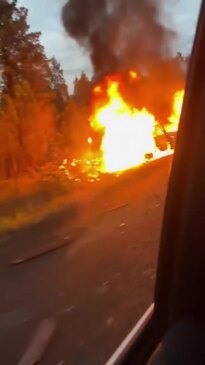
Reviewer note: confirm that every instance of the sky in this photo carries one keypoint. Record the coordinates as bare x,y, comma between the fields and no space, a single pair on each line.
45,16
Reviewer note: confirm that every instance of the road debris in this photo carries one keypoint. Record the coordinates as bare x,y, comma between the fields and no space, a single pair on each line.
113,209
36,252
105,283
123,228
67,310
39,343
41,251
109,321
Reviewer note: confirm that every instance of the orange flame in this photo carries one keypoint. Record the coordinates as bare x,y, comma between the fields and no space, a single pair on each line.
90,140
128,135
133,74
127,132
176,113
97,89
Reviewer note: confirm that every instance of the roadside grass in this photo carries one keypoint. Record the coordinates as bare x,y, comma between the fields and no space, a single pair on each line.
27,201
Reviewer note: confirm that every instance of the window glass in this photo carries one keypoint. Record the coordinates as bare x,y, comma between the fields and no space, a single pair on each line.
91,94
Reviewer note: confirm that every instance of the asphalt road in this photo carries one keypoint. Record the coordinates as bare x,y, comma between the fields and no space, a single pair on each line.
97,287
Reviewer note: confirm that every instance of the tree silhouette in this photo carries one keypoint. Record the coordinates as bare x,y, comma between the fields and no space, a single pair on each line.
82,89
29,94
58,84
22,57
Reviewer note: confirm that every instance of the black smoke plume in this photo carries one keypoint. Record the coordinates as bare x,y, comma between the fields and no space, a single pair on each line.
118,33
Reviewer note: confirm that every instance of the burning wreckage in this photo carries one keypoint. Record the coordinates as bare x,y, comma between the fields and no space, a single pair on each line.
138,87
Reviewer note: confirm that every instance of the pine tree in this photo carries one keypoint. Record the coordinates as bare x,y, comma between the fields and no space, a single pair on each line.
82,89
58,84
22,58
75,128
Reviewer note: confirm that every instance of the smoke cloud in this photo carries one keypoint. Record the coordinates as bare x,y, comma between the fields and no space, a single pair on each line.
118,33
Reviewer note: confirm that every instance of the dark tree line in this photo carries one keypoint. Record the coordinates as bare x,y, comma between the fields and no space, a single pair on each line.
37,115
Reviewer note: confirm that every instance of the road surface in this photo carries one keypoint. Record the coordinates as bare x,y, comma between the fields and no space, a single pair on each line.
97,287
